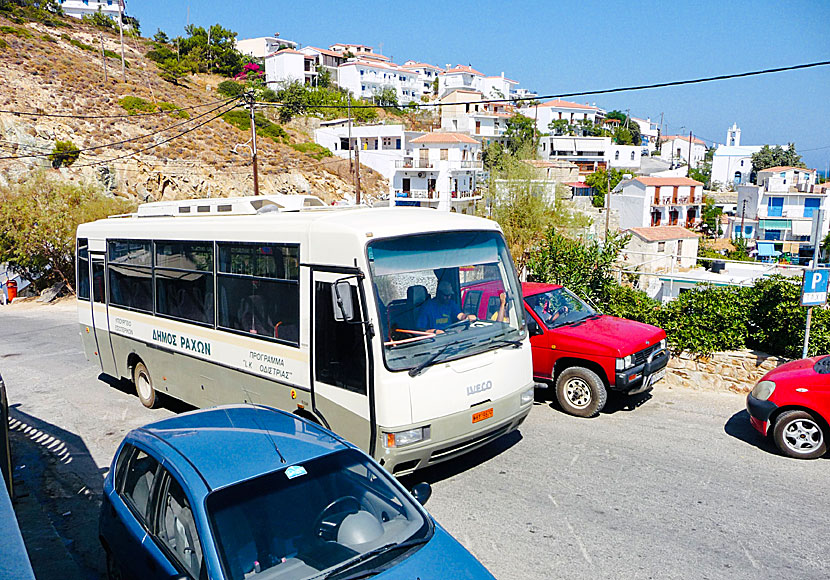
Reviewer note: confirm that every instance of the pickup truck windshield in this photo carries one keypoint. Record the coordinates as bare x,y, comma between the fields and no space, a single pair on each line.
558,307
453,292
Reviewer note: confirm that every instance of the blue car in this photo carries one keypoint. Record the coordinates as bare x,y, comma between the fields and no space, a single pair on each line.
248,491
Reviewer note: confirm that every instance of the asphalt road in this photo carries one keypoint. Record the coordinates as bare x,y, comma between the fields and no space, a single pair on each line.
676,486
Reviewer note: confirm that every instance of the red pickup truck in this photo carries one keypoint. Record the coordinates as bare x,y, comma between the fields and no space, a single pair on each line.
579,351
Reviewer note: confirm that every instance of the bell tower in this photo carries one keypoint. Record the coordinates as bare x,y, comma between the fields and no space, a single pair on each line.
733,135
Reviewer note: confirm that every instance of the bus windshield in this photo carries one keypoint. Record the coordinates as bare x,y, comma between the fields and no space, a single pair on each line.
444,295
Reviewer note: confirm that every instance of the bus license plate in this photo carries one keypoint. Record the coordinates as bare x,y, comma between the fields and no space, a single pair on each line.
482,415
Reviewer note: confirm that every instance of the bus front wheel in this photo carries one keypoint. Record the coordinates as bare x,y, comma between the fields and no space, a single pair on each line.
144,385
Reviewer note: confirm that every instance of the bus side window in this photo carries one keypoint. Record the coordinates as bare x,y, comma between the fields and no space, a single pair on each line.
340,348
82,254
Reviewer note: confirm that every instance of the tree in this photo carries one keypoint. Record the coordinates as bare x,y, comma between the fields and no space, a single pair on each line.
711,217
388,97
519,204
520,134
160,37
211,50
586,268
294,99
64,154
599,181
560,127
323,77
229,89
38,219
776,156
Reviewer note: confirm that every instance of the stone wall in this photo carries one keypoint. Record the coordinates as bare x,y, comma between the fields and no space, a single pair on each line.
736,371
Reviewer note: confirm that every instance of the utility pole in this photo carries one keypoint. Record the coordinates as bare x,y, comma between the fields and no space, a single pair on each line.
743,215
689,164
356,155
608,202
121,34
103,58
250,99
210,56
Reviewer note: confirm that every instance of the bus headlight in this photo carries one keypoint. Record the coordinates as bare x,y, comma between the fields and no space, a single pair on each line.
404,438
527,397
624,363
763,390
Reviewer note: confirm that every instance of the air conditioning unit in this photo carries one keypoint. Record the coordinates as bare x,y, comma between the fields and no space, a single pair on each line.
421,174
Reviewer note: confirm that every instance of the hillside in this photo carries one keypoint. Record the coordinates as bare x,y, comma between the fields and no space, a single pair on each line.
58,70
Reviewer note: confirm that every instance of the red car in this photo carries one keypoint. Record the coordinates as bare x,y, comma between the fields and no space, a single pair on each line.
792,404
579,351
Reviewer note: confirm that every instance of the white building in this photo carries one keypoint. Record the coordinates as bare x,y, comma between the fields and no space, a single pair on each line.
658,201
590,153
440,170
732,162
262,46
462,111
324,59
780,209
382,147
368,78
498,87
287,66
675,149
81,8
460,77
649,132
661,248
558,110
427,75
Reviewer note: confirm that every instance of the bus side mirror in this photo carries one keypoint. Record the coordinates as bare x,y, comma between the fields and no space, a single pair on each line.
343,302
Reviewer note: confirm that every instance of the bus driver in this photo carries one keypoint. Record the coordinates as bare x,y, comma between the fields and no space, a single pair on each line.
442,311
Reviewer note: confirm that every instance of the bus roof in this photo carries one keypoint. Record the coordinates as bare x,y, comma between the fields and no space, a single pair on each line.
355,221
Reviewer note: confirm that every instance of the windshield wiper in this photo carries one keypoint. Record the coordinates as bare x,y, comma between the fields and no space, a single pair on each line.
510,341
417,370
371,554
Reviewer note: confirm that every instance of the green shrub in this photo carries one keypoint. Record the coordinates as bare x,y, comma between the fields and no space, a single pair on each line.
100,20
64,154
3,44
314,150
136,105
14,31
173,110
264,128
628,302
230,89
707,319
49,38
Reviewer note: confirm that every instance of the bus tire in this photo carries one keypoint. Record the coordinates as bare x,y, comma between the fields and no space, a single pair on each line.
144,385
580,392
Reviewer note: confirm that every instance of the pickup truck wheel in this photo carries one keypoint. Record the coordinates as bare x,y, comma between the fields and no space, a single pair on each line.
580,392
798,434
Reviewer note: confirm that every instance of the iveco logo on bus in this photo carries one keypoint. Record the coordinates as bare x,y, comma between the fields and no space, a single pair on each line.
479,388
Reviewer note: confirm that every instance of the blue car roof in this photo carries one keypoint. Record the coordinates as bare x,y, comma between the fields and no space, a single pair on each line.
230,444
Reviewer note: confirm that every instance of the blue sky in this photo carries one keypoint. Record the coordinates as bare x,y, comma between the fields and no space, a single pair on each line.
573,45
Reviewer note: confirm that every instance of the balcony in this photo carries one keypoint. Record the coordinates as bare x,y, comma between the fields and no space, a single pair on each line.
465,195
460,165
410,163
416,194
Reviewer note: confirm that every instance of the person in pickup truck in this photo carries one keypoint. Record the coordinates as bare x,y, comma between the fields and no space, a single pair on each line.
441,311
547,310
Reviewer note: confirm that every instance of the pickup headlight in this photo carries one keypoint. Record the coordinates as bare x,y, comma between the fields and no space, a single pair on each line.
527,397
404,438
763,390
625,362
662,345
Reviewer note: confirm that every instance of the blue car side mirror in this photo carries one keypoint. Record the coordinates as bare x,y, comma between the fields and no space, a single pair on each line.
421,492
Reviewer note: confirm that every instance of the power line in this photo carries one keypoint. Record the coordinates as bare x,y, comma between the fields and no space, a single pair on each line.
153,146
72,116
583,93
123,141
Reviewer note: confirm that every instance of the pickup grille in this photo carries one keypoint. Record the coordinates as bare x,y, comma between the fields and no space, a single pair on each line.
640,357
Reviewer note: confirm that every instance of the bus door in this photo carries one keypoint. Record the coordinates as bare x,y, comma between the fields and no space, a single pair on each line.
341,369
98,292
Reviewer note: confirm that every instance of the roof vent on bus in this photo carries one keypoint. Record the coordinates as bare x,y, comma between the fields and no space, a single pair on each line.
230,206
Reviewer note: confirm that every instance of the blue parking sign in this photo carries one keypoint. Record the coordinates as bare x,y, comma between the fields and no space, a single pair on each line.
814,288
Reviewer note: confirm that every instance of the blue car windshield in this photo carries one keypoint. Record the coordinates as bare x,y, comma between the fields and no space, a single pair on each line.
455,292
331,513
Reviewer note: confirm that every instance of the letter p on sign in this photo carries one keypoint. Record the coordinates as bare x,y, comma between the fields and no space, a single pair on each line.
814,287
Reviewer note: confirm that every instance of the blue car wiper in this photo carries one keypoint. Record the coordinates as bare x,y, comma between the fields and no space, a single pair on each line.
371,554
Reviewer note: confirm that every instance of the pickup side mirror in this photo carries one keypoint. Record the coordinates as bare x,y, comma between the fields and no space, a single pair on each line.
533,327
343,301
421,492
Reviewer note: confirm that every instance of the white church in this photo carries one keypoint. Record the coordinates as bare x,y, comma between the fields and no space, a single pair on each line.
732,162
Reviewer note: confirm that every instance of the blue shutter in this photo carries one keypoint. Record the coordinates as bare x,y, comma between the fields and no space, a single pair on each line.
811,204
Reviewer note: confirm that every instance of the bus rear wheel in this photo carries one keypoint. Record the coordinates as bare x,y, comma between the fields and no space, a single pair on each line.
144,386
